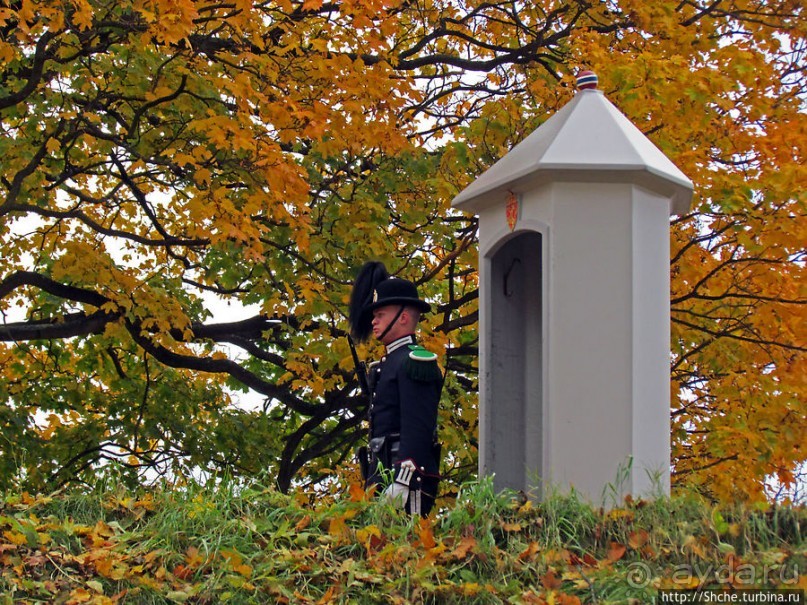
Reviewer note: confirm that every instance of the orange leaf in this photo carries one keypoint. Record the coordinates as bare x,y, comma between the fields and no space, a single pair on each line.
337,527
328,596
371,537
231,556
192,557
638,538
303,523
103,565
243,569
466,545
15,537
558,556
357,493
616,551
425,534
80,595
530,551
550,580
182,572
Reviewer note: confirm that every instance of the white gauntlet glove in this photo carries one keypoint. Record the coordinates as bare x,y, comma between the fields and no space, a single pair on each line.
398,493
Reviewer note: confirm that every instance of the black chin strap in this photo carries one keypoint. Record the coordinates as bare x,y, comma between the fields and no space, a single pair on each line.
392,323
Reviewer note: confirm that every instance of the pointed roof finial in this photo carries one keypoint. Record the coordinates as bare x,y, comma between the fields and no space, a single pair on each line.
586,80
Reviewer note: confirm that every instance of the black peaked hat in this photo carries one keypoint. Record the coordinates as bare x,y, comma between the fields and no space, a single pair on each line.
396,291
374,288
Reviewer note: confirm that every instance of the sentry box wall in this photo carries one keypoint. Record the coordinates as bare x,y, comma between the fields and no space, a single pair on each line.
574,305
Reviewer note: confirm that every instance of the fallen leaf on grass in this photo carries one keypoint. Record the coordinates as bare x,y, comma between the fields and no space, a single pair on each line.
616,551
466,545
426,534
638,538
338,528
550,580
529,552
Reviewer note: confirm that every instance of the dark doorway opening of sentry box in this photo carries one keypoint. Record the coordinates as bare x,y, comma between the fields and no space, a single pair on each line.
514,414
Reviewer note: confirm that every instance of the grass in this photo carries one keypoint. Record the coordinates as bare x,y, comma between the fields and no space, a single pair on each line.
235,543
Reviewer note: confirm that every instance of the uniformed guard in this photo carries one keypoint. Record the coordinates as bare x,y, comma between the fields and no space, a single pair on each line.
404,390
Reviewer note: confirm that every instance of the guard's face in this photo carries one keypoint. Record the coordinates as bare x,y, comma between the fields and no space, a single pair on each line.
382,317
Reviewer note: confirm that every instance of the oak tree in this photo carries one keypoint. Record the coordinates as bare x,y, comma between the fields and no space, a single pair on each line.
158,155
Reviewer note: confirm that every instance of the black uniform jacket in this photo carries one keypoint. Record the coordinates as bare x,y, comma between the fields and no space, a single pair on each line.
407,405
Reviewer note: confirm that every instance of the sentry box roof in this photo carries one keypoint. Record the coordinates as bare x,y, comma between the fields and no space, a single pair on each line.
587,140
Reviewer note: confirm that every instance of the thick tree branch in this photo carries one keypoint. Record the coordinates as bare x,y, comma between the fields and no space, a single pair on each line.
35,74
69,326
735,336
95,226
340,436
72,293
220,366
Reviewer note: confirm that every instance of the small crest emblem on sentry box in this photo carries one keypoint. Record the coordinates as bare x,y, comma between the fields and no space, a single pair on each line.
511,209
